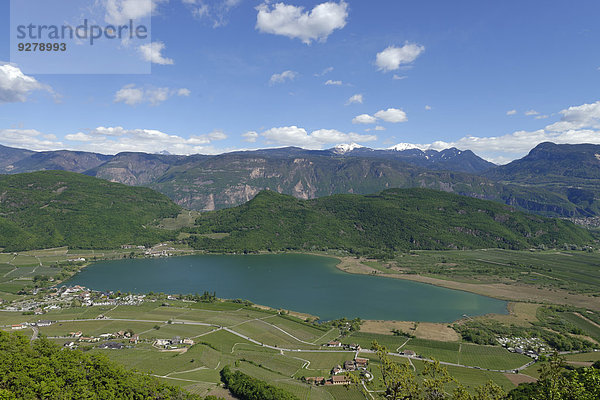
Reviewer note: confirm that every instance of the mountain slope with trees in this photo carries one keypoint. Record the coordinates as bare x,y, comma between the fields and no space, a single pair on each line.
56,208
393,220
42,370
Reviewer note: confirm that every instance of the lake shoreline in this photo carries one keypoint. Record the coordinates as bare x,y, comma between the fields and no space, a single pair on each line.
290,281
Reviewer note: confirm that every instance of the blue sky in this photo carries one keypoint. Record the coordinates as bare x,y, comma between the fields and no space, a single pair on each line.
493,77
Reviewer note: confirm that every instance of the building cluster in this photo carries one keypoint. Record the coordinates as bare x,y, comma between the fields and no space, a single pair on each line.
338,344
25,325
171,344
67,296
159,250
531,347
338,373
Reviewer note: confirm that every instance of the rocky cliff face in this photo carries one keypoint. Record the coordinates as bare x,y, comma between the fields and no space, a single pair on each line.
207,183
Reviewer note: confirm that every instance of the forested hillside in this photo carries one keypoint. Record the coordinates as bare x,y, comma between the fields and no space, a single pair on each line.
396,219
56,208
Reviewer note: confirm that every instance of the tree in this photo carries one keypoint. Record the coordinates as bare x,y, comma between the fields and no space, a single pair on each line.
399,380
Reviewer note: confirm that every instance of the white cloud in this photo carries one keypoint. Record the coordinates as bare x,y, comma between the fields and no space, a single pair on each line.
393,115
331,82
152,52
511,112
324,72
399,77
250,136
428,108
294,22
15,86
29,139
364,119
531,112
578,124
119,12
282,77
377,128
393,57
355,99
118,139
541,116
295,136
215,11
132,95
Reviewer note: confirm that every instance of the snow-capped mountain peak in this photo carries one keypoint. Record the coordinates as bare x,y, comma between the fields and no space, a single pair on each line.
345,148
404,146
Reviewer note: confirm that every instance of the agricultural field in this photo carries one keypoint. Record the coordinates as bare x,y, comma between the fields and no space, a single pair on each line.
40,268
280,349
487,357
569,270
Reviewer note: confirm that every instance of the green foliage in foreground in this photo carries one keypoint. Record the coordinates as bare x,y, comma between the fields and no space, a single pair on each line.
245,387
401,382
394,220
43,370
557,383
56,208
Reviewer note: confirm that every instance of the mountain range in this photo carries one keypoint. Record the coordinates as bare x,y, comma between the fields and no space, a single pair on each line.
552,180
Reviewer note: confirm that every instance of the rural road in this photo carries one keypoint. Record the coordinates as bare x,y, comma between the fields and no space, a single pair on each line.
227,329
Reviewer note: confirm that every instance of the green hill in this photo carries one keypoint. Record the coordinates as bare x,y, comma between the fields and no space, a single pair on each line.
396,219
42,370
56,208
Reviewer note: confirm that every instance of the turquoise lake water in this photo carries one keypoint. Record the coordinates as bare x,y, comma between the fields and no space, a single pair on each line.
303,283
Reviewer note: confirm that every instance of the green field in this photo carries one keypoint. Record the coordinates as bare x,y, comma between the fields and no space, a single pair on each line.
197,369
571,270
585,325
490,357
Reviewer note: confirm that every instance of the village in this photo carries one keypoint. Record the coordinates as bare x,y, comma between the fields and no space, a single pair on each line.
73,296
531,347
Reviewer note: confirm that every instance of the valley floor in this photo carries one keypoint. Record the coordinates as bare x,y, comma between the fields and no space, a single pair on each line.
282,349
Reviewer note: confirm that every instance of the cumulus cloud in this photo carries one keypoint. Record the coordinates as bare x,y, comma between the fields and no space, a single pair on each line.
250,136
295,136
30,139
393,57
364,119
331,82
295,23
282,77
152,52
531,113
133,95
119,12
355,99
15,86
393,115
511,112
118,139
578,124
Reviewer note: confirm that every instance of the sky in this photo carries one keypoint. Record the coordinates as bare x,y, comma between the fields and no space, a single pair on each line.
493,77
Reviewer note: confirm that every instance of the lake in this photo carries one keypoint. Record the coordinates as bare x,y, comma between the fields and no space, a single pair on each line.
303,283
